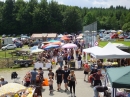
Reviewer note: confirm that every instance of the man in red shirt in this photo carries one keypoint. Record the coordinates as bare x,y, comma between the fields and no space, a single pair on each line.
96,77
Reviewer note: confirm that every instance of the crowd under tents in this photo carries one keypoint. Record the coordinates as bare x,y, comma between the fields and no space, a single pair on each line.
119,78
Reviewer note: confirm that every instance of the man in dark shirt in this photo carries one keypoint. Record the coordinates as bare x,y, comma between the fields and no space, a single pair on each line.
59,77
33,76
96,77
51,73
66,73
98,89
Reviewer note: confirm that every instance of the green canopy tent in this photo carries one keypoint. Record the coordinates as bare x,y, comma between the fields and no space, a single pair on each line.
119,78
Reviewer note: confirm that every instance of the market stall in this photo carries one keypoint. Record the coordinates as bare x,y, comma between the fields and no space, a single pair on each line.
109,52
119,80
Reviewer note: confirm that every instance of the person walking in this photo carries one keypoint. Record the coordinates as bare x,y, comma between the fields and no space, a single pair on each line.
50,84
66,73
51,74
59,77
79,61
96,77
86,70
72,82
60,60
33,76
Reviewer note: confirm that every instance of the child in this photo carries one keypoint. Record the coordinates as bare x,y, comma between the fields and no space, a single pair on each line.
50,84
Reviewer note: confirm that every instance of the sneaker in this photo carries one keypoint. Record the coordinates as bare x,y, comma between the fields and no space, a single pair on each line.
65,90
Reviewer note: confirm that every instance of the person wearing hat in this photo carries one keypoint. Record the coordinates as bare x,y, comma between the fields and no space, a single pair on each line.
98,89
2,81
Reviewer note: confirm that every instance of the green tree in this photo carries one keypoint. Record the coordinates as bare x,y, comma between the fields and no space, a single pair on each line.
72,20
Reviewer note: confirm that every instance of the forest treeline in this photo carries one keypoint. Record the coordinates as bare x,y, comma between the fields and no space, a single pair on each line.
18,17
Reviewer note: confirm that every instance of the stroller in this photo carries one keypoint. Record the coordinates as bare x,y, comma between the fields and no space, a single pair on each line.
14,76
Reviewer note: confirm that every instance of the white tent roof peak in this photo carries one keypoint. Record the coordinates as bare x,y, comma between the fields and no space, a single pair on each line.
110,51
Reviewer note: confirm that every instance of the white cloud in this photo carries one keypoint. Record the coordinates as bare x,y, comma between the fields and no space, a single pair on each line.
93,3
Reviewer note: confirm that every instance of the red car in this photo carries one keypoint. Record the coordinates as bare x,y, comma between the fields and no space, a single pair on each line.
114,36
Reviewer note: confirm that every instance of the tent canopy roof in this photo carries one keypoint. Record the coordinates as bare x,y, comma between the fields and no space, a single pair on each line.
90,50
119,77
110,51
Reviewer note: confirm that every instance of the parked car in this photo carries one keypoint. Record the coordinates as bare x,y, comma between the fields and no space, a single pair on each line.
114,36
121,37
9,46
128,37
105,38
23,63
19,44
3,36
34,44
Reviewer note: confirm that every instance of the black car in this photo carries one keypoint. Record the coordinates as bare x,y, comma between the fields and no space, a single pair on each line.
33,44
24,63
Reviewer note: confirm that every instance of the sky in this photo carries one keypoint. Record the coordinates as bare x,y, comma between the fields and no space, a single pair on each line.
95,3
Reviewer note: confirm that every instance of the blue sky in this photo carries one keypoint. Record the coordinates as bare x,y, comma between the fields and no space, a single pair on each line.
93,3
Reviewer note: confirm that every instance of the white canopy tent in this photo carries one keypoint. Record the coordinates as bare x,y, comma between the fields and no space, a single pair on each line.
110,51
90,50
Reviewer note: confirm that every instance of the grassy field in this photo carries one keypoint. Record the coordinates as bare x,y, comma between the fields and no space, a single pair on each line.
7,54
103,43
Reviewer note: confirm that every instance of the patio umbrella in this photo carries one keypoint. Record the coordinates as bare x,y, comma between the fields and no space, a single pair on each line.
69,45
52,46
37,51
79,37
54,41
11,89
65,38
60,35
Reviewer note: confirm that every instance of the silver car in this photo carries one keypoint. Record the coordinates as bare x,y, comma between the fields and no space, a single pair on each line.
9,46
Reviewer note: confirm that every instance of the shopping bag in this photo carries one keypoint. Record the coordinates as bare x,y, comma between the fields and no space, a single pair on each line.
45,82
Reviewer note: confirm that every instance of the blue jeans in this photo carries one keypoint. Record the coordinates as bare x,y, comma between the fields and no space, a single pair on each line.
61,63
95,92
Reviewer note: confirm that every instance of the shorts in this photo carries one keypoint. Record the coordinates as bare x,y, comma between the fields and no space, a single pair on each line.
65,81
85,72
59,81
50,87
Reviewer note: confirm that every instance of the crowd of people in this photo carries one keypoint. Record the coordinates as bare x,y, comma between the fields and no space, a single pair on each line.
63,57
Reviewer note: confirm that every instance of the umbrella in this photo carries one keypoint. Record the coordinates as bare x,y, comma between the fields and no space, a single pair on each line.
34,48
37,51
54,41
52,46
79,37
65,38
69,45
11,89
60,35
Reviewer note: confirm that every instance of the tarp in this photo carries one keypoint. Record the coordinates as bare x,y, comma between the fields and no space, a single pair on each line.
119,77
110,51
90,50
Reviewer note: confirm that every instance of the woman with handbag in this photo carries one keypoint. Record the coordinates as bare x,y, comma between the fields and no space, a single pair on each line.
72,82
